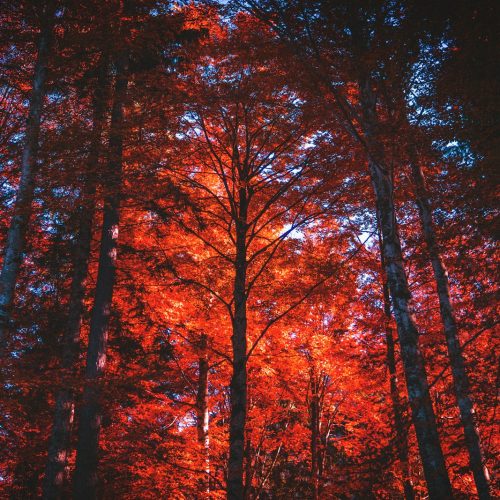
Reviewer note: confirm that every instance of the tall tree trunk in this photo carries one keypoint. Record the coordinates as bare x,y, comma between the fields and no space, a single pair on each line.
59,444
314,410
399,421
460,378
16,237
235,488
85,486
397,405
424,420
202,412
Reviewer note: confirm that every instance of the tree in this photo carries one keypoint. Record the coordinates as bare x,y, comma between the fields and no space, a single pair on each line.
19,223
65,401
90,419
247,157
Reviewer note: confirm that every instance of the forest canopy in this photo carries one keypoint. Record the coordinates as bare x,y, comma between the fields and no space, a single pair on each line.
249,249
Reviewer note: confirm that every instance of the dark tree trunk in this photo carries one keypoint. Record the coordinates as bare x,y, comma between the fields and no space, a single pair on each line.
202,412
424,420
399,421
397,404
314,410
59,443
85,486
460,378
235,488
16,237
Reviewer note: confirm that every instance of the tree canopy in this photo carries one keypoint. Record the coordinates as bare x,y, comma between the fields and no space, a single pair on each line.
249,249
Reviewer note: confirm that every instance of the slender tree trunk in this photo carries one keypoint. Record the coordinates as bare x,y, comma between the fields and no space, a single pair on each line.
202,412
424,420
16,236
59,444
460,378
399,421
235,488
397,404
314,409
85,486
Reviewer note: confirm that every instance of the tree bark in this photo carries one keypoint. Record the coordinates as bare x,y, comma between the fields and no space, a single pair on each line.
202,412
461,383
59,444
235,489
314,410
424,420
16,236
399,421
85,486
397,405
